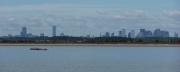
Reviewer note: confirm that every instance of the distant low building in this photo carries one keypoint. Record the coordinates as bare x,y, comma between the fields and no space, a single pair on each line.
30,35
160,33
148,34
176,35
112,34
144,33
88,36
9,35
42,35
17,36
62,34
140,34
107,34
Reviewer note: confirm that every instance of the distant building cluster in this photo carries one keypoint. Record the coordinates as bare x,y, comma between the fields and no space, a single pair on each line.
142,33
24,33
122,33
156,33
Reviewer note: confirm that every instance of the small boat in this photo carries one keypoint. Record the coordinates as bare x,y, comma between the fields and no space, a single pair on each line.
38,48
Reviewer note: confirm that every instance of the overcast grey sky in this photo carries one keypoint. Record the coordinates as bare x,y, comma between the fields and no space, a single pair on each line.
82,17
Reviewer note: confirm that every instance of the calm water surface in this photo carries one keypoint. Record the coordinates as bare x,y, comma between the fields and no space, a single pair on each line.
89,59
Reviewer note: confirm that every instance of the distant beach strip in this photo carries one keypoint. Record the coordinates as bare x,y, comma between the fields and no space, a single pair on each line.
123,45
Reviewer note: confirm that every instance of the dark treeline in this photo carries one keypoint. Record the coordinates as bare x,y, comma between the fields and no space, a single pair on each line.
95,40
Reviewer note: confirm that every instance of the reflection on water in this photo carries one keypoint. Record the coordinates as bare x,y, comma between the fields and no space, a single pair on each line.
89,59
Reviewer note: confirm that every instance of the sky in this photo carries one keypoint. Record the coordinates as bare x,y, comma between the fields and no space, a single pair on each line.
82,17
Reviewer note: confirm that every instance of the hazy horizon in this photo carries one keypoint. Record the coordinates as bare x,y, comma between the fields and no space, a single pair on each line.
79,18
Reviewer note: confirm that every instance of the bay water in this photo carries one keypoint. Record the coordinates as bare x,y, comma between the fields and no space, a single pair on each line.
89,59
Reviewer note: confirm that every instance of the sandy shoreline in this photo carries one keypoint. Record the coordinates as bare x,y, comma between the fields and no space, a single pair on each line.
128,45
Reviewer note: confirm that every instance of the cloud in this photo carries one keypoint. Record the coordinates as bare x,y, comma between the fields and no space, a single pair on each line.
172,13
51,7
11,22
175,15
33,21
129,19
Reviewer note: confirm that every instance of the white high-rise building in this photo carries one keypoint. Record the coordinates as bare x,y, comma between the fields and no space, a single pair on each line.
132,34
123,32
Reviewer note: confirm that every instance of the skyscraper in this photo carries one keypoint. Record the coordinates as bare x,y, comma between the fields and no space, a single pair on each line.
148,34
107,34
132,33
30,35
176,35
160,33
123,32
88,36
54,31
157,33
164,34
142,32
112,34
129,35
120,33
24,32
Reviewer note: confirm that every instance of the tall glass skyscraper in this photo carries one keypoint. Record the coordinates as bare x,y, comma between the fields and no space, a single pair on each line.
54,31
24,32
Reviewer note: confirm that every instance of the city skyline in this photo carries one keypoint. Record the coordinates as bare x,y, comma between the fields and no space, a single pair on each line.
81,17
121,33
54,32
